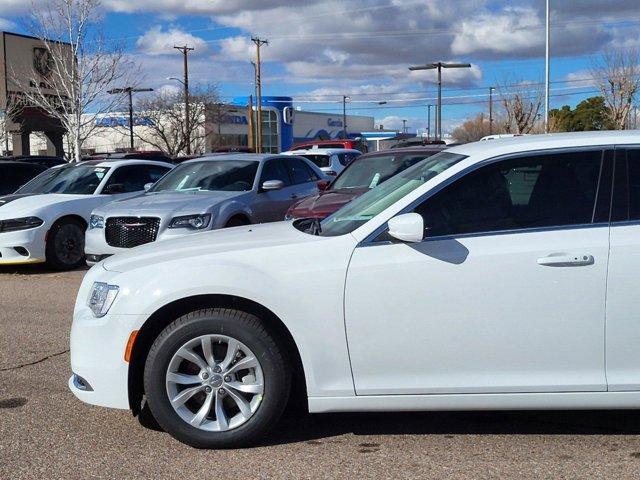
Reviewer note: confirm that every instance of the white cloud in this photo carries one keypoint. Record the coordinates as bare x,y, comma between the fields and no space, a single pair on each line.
159,42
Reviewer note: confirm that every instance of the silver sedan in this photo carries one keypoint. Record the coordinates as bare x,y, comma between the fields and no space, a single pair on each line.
206,193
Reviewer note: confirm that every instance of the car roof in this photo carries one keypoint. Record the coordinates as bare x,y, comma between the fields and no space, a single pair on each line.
247,157
415,149
503,146
115,162
5,163
320,151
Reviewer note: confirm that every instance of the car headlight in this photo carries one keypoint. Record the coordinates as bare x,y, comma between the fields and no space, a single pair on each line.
13,224
195,222
101,298
96,221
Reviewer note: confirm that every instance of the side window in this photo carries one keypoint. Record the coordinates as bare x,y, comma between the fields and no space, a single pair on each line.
275,170
347,158
299,171
529,192
633,171
133,178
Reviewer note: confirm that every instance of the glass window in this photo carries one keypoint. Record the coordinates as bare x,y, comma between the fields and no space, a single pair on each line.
270,142
373,202
299,171
133,178
320,161
539,191
275,170
633,169
371,171
77,179
211,175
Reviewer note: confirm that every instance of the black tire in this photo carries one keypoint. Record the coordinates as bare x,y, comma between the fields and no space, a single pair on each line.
65,245
248,330
237,222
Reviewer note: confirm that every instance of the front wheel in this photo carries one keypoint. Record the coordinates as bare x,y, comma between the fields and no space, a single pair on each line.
216,378
65,245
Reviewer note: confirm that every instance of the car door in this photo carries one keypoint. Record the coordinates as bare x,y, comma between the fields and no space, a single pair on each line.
271,205
505,294
304,181
129,179
623,301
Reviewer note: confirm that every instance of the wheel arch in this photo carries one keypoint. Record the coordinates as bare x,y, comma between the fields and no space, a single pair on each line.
70,216
171,311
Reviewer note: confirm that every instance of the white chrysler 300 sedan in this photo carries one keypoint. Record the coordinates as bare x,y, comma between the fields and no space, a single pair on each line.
480,278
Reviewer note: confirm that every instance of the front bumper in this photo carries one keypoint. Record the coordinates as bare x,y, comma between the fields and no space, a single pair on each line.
97,357
23,246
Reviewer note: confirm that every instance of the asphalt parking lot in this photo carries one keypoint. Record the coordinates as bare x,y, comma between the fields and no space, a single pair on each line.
46,433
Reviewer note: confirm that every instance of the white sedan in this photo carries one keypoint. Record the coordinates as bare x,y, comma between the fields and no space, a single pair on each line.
46,219
495,275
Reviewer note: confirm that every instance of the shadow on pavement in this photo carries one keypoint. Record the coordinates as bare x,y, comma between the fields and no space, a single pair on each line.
35,269
315,428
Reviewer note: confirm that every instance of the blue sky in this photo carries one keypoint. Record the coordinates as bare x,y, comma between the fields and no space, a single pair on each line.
320,50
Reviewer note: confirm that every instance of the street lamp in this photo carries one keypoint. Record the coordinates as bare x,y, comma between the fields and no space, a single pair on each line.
345,99
439,66
491,89
129,91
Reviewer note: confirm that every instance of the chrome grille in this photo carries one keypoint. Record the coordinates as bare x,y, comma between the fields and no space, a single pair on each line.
129,232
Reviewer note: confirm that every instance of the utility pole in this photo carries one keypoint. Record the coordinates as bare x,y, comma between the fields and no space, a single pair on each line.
345,98
404,126
547,70
129,91
185,54
429,122
258,42
439,66
491,89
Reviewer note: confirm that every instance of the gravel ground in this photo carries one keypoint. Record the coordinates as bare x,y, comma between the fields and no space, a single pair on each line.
46,433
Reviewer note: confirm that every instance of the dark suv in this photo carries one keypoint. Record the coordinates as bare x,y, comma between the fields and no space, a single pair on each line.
15,174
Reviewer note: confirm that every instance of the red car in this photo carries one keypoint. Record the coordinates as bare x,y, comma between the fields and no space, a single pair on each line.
361,175
353,144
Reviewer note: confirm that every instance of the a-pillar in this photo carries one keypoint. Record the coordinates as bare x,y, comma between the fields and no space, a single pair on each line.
21,143
55,145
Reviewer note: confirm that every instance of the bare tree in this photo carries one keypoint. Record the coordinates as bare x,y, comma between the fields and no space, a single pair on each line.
165,125
617,75
521,105
475,128
75,68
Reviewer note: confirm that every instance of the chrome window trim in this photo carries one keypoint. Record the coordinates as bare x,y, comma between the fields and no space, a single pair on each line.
370,240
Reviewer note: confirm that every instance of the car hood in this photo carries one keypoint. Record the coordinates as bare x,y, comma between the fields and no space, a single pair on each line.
324,204
23,205
163,203
198,246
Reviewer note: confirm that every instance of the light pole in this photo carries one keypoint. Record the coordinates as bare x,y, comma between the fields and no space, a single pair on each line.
491,89
439,66
404,126
429,122
345,99
185,83
129,91
547,70
259,43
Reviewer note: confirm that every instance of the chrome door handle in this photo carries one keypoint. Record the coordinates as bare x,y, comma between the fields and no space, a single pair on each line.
566,260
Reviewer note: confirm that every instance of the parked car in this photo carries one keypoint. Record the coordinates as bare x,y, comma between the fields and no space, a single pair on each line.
143,155
330,160
365,173
44,160
208,193
352,144
15,174
494,275
45,220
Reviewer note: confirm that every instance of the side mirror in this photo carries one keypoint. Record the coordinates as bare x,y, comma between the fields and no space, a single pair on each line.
323,185
114,188
147,186
408,227
273,185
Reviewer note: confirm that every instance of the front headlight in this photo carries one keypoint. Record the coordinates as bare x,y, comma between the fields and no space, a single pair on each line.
13,224
101,298
96,221
194,222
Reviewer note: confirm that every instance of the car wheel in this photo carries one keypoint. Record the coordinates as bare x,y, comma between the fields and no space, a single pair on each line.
65,245
236,222
216,378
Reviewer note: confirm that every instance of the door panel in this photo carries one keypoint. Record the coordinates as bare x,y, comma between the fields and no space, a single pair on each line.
507,294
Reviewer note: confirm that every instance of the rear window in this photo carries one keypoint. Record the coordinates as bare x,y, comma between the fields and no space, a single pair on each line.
320,161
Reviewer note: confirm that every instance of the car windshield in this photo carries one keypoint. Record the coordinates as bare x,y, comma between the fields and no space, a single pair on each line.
372,171
319,160
207,176
378,199
72,179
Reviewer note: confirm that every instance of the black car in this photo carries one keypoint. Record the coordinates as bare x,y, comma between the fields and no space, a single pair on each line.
15,174
44,160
